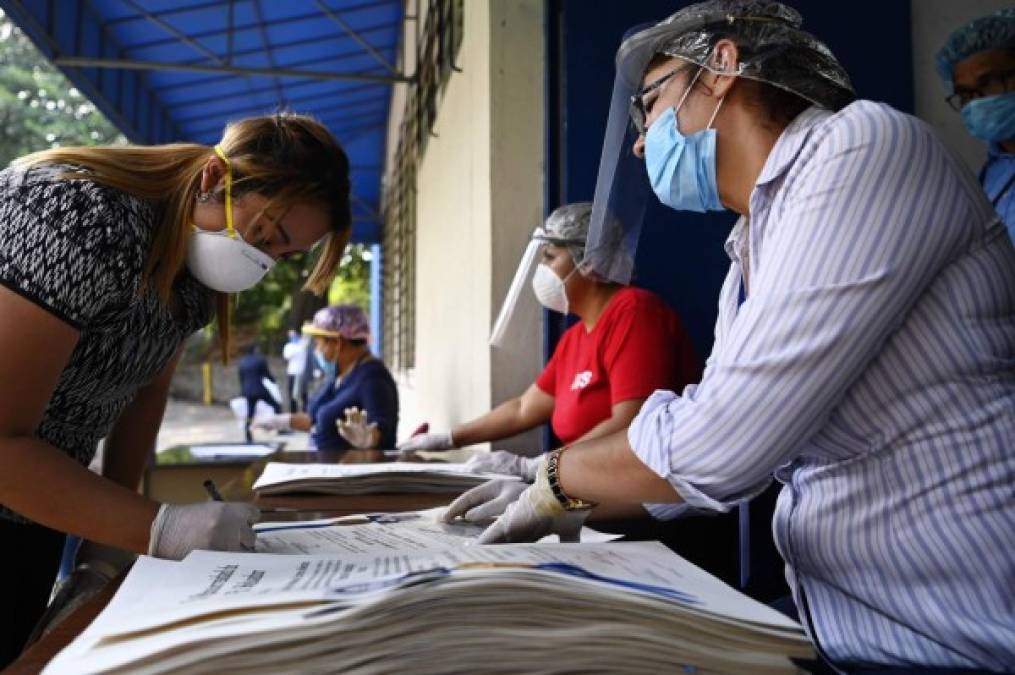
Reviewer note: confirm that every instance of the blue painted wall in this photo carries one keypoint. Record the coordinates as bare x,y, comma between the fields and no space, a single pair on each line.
680,255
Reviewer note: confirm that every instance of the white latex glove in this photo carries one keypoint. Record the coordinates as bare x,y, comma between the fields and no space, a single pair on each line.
535,514
178,529
504,462
484,502
432,442
354,428
95,566
280,422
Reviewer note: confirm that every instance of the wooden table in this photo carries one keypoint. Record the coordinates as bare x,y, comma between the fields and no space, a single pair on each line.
238,487
177,475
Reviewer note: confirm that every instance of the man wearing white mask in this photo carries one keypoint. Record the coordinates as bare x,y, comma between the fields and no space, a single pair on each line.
626,344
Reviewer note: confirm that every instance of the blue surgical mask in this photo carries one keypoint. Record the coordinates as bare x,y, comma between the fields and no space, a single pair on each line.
682,168
991,118
326,366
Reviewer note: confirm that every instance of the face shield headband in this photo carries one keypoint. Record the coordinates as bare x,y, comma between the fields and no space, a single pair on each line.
541,236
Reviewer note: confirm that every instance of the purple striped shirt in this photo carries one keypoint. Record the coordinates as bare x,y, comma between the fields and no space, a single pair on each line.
872,369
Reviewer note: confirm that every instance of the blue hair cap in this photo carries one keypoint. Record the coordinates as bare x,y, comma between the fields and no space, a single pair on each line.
994,31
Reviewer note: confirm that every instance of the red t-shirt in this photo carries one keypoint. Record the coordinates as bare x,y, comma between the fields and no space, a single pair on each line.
637,346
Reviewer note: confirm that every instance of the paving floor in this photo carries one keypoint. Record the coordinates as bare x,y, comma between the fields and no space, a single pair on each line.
186,423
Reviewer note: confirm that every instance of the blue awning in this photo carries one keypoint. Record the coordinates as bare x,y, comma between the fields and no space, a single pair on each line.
178,70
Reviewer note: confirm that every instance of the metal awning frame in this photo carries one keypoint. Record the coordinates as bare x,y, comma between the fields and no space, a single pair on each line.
114,74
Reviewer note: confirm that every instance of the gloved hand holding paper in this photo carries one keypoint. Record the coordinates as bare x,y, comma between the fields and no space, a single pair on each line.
534,514
179,529
484,502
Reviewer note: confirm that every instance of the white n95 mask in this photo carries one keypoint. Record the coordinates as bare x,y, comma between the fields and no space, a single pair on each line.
549,289
221,260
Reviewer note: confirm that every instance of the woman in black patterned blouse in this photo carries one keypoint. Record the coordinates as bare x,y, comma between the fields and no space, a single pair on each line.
110,258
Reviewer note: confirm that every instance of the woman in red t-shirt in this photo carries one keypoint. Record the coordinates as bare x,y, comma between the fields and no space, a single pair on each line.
627,344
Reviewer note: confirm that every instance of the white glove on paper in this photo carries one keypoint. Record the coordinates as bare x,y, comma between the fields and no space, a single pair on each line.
484,502
355,429
504,462
535,514
178,529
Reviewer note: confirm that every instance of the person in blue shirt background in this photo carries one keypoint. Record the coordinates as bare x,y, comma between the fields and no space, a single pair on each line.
977,63
253,371
357,405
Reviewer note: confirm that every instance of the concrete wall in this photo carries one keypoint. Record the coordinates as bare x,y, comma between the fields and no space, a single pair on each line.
480,193
933,21
518,174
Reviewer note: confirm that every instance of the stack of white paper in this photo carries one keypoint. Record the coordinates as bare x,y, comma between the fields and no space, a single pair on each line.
380,533
357,479
616,607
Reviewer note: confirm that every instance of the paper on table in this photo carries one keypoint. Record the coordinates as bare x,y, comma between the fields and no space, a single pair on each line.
208,581
279,478
379,532
188,603
234,450
275,472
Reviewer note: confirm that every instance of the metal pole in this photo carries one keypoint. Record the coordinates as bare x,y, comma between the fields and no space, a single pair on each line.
355,36
130,64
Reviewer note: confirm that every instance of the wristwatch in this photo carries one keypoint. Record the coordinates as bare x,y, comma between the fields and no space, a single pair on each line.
553,478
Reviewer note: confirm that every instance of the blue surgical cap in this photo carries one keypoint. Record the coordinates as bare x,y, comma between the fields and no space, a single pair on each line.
994,31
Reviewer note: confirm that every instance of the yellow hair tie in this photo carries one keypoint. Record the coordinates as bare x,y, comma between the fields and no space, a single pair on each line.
229,191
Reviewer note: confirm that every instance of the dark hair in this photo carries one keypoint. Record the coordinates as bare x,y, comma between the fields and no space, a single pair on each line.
288,158
779,106
359,342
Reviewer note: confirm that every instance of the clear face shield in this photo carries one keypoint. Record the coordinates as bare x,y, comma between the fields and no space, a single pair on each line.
510,331
772,49
622,186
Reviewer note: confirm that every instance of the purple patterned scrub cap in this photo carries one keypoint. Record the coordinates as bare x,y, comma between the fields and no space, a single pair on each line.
347,321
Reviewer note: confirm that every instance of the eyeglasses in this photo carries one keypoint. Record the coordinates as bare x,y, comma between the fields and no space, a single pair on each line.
990,84
640,106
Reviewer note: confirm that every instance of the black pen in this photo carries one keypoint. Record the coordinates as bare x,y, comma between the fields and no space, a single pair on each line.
213,491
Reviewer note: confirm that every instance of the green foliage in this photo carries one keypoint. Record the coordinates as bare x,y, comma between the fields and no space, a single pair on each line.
352,282
271,306
39,108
